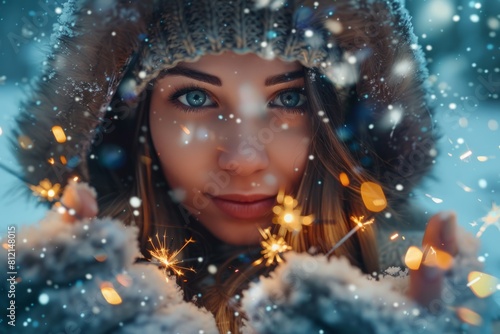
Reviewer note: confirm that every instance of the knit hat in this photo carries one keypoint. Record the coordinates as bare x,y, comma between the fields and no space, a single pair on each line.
104,53
186,31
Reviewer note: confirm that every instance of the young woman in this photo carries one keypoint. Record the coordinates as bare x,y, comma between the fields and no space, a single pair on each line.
190,118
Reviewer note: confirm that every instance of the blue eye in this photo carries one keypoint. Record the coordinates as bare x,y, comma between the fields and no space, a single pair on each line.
196,98
289,99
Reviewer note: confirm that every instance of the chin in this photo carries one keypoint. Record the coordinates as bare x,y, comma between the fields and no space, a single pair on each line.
241,240
239,237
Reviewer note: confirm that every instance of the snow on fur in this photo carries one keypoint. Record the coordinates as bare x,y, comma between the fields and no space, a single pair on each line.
61,280
309,294
306,294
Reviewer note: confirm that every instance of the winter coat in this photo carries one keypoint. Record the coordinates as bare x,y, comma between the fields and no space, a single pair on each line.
97,47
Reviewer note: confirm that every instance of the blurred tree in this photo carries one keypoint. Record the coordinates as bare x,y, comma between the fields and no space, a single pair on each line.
461,40
25,28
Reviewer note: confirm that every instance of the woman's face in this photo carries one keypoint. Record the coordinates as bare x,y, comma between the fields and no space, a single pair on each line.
231,131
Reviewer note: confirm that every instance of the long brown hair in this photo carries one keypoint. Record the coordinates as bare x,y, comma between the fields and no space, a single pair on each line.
320,193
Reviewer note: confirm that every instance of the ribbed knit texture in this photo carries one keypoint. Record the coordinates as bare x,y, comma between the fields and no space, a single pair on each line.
188,31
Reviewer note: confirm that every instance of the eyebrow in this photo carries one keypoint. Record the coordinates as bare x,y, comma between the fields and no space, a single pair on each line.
285,77
196,75
216,81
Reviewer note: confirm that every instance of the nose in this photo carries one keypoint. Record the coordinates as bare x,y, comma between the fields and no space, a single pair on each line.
243,156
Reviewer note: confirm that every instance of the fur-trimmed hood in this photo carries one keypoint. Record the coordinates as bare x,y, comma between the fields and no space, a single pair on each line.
367,46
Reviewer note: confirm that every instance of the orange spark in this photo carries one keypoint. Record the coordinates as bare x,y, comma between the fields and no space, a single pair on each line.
185,129
359,225
394,236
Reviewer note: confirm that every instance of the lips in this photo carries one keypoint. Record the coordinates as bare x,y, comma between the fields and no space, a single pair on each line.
245,206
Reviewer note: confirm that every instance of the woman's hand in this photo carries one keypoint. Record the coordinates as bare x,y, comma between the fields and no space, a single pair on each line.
440,236
80,198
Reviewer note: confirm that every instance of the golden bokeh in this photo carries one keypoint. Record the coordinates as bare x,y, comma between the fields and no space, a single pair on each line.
109,293
59,134
438,258
373,196
47,190
124,280
468,316
413,258
100,257
25,142
482,284
344,179
288,215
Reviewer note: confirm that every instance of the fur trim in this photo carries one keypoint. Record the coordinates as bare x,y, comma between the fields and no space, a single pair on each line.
388,115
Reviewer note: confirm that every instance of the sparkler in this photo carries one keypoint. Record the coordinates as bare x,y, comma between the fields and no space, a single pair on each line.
168,259
288,215
273,246
47,190
359,225
492,218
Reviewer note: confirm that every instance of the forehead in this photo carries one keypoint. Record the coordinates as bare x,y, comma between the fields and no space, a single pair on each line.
248,64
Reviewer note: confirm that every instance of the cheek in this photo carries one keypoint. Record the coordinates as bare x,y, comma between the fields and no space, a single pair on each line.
174,156
184,159
290,152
